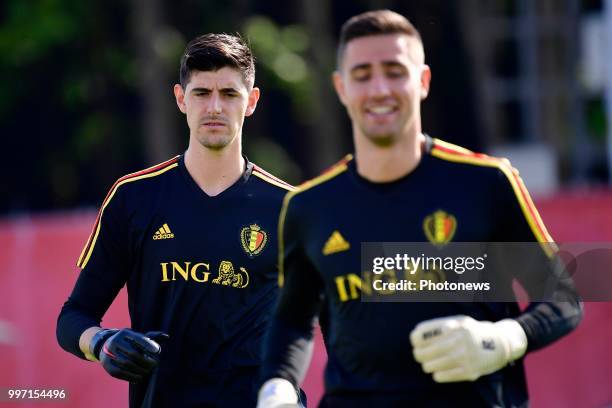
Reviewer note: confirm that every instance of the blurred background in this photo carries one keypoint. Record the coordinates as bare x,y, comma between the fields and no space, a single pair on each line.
86,97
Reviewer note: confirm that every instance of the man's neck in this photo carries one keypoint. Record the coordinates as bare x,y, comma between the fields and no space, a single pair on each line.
214,170
385,164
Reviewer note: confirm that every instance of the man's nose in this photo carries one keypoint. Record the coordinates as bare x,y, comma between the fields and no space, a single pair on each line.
214,103
379,86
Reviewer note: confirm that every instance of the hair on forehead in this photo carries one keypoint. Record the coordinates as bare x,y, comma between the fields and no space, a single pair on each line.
211,52
377,22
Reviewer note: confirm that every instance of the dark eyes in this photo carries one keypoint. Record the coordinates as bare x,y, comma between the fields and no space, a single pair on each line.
361,76
226,94
395,72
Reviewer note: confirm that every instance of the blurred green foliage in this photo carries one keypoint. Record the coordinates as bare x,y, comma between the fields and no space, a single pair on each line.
281,52
71,98
74,106
68,93
596,119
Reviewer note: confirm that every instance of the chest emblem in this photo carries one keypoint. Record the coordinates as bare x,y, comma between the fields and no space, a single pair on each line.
253,239
440,227
335,243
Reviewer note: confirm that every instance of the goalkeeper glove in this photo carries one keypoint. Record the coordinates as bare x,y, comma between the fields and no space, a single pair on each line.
459,348
277,393
126,354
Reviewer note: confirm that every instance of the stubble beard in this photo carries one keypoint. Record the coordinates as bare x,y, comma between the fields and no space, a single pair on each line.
390,137
380,138
215,142
384,140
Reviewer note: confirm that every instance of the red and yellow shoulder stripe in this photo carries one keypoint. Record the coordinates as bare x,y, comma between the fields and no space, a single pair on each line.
448,151
139,175
265,176
328,174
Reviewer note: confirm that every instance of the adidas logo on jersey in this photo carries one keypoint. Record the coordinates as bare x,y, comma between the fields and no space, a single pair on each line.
335,243
163,233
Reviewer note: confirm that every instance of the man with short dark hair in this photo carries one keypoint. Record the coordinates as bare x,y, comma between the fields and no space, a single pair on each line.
401,186
194,240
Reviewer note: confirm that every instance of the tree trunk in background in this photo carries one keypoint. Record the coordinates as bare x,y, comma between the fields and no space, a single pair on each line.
327,143
156,95
479,56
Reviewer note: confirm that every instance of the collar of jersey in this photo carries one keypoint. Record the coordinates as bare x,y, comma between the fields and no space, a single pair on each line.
390,187
228,192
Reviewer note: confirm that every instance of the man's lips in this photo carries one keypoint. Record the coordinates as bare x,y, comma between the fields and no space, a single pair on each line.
214,123
381,110
382,114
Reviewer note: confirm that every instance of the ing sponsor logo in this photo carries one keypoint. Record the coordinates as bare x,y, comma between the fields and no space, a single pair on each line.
200,272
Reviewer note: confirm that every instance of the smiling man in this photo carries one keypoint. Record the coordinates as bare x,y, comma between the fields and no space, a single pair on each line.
401,186
194,241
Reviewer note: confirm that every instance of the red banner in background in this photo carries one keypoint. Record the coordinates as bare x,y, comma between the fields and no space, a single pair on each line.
39,270
38,258
577,370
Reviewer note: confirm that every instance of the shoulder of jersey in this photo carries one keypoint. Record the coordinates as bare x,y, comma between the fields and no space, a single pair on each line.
146,174
137,178
325,178
271,179
453,153
457,154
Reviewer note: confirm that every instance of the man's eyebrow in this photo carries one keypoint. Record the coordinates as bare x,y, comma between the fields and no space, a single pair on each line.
224,90
392,63
200,89
365,65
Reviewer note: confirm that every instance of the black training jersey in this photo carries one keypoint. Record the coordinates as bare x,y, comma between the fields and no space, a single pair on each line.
202,269
469,197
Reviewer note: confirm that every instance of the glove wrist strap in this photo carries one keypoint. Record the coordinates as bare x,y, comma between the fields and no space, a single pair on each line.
514,337
97,341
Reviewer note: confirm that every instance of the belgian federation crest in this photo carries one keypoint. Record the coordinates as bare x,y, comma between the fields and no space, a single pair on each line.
440,227
253,239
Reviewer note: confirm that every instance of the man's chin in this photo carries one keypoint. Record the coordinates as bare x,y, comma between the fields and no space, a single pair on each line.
216,143
216,146
381,140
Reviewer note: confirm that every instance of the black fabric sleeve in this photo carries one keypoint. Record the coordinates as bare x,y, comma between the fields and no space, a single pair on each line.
543,322
289,341
104,273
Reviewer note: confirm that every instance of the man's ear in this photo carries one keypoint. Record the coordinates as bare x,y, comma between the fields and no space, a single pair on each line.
179,95
339,86
425,81
252,103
